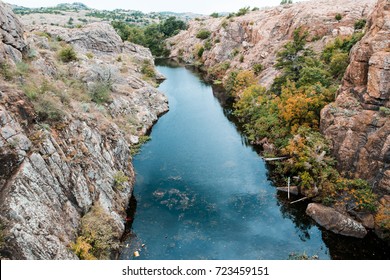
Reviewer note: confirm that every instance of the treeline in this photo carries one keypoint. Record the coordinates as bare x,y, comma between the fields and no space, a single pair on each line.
286,118
151,36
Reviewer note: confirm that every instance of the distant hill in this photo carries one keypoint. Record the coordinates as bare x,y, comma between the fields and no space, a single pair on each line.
90,15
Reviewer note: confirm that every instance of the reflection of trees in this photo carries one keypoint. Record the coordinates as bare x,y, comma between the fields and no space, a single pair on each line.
296,213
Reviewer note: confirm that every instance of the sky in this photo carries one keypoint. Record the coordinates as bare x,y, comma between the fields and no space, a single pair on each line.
195,6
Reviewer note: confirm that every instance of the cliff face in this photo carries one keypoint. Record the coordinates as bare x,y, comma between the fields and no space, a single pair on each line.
358,123
60,151
256,38
11,35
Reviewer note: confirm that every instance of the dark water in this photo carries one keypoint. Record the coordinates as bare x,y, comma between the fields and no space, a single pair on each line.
203,193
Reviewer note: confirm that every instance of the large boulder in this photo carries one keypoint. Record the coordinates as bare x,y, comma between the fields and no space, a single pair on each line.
334,221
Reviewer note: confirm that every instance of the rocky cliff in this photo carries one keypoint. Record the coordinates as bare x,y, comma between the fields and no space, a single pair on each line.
66,131
255,38
358,123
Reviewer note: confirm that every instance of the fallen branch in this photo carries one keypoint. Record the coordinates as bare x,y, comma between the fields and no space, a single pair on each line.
274,159
299,200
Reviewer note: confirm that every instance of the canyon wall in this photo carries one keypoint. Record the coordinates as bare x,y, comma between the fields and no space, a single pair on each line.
60,151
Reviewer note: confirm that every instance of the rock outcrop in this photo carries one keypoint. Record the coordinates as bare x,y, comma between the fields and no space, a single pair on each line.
358,123
53,172
256,38
12,41
334,221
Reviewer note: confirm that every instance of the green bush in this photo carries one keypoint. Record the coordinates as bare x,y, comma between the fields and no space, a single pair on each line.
338,17
207,45
48,109
360,24
257,68
203,34
67,54
147,69
338,64
97,236
135,149
200,52
243,11
100,92
214,15
5,71
119,180
22,68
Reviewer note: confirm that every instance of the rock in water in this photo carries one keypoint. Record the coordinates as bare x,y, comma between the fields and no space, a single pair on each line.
334,221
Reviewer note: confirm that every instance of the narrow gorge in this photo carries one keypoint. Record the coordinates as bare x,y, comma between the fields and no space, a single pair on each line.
307,84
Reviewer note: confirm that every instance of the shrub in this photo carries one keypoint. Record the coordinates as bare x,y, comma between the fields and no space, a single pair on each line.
240,81
97,236
214,15
243,11
360,24
48,109
5,70
242,58
384,111
200,52
119,180
218,70
134,149
234,52
147,69
382,219
257,68
22,68
224,24
67,54
208,45
338,17
203,34
338,64
100,92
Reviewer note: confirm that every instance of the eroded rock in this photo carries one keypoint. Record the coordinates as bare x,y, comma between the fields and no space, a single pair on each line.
358,123
334,221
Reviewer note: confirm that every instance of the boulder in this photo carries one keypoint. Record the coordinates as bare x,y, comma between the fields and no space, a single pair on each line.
334,221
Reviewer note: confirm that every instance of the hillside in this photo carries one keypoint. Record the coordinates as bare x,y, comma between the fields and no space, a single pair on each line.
78,14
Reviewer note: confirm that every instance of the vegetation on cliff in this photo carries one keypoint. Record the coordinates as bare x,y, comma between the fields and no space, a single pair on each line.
286,118
151,36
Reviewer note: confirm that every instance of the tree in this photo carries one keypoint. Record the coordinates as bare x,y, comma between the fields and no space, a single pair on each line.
284,2
291,59
172,26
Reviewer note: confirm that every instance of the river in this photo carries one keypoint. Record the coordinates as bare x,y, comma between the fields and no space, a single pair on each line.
203,193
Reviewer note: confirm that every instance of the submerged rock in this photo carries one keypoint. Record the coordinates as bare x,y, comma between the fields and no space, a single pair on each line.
334,221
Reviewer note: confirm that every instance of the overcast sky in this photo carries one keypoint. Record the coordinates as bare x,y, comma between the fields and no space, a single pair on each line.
195,6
